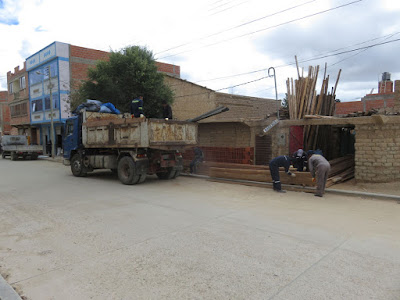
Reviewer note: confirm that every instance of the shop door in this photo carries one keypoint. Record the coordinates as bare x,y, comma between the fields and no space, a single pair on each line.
263,149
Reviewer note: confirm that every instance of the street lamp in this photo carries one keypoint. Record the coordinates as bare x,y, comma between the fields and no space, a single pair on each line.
52,138
276,91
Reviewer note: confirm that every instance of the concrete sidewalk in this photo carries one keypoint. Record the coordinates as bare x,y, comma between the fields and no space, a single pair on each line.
6,291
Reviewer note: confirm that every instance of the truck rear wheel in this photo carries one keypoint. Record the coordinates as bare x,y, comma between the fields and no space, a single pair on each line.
34,156
14,156
127,171
77,167
3,155
169,173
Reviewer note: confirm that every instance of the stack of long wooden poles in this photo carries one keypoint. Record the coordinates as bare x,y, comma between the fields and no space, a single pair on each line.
303,102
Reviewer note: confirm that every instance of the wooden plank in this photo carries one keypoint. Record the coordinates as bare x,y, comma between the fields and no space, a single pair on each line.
293,188
302,178
297,66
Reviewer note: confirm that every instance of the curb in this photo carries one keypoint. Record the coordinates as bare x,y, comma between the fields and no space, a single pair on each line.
6,291
299,188
57,159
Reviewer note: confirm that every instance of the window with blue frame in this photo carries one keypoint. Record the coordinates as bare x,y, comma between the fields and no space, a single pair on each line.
42,73
47,102
37,105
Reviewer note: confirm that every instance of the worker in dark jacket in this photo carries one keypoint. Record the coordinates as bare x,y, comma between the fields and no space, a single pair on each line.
319,167
137,107
274,165
167,111
299,159
198,158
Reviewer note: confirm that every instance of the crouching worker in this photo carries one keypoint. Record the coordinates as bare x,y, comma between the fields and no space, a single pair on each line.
319,167
274,165
299,159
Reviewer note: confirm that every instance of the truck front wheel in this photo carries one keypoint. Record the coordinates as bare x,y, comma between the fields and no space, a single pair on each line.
77,167
127,171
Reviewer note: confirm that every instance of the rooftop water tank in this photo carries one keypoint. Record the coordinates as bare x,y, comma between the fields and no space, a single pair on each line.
385,76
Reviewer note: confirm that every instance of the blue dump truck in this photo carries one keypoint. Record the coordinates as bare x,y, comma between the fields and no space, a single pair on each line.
132,148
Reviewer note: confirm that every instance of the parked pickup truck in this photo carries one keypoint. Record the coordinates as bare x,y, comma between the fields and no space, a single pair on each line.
132,148
17,146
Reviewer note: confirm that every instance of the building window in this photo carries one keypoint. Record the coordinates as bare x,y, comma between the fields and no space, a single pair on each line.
19,110
47,102
37,105
10,88
22,84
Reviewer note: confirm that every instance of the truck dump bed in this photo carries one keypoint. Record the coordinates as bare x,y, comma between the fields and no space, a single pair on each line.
101,130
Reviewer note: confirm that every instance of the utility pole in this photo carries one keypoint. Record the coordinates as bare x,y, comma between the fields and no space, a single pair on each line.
53,146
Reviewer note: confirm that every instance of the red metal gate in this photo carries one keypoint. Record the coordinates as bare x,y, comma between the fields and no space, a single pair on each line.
295,138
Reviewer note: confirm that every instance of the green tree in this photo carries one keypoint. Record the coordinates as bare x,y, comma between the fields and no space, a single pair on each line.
284,102
129,73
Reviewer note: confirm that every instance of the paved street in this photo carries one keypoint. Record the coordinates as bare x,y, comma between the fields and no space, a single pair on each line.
63,237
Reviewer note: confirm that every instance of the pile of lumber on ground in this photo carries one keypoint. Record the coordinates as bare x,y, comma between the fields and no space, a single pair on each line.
304,102
341,169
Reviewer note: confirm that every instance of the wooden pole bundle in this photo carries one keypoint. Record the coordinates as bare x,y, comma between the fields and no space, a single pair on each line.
304,101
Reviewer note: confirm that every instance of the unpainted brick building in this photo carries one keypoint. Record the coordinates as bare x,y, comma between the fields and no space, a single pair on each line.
232,136
18,102
383,100
5,127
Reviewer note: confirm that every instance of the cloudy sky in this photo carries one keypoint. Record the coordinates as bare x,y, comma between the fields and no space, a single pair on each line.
225,45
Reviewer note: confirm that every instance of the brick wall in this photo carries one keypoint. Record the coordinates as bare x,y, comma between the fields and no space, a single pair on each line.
5,126
385,87
81,59
190,100
344,108
169,69
396,104
243,107
224,135
84,58
377,155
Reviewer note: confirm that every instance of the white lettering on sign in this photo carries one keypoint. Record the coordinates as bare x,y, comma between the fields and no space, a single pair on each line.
270,126
32,62
48,53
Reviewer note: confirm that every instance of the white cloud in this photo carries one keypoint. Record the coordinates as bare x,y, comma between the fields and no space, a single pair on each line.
211,42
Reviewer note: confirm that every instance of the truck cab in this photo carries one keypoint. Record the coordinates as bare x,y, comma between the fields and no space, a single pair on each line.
73,137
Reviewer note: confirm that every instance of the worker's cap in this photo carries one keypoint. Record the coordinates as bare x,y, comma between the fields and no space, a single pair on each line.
300,153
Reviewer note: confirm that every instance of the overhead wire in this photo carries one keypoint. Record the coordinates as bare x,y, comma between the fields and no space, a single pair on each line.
264,29
237,26
301,61
319,56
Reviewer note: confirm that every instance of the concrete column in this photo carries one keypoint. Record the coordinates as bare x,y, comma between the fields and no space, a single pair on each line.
397,96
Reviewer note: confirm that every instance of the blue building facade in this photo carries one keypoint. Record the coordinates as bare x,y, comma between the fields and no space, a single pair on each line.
49,74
